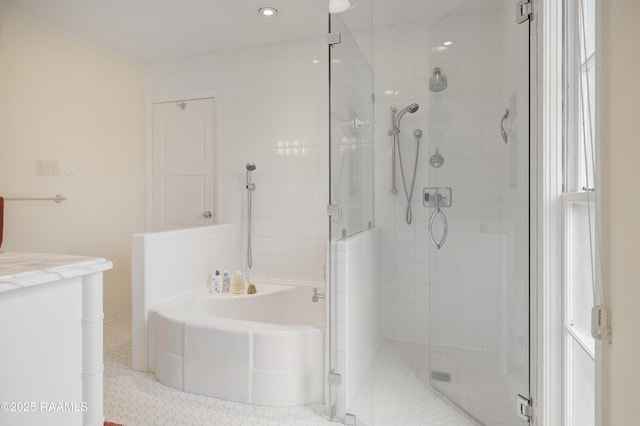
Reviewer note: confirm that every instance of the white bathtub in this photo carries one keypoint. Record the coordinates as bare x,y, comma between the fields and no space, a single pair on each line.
264,348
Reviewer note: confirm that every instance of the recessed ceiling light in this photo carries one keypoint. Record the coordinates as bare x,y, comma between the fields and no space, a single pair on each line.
339,6
267,12
448,43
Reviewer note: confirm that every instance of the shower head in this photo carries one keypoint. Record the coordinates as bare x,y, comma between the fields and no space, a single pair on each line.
438,82
408,109
250,167
413,108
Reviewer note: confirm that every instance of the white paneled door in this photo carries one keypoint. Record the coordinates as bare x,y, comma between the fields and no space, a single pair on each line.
183,160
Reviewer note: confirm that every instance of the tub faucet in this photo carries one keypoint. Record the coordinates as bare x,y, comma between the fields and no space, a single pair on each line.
316,296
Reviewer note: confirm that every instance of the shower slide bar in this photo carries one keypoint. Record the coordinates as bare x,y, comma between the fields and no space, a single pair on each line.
57,198
396,117
250,188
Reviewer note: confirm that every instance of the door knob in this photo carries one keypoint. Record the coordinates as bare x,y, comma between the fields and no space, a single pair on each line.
207,214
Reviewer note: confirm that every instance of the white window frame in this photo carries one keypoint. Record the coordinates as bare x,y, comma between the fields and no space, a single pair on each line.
577,189
570,333
548,178
548,172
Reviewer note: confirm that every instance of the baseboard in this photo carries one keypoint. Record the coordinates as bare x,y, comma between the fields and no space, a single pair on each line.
117,310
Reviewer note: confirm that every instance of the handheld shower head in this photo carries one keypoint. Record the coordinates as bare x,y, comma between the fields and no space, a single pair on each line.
408,109
413,108
250,167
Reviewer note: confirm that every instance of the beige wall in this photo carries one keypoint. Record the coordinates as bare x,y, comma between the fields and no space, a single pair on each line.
621,208
63,100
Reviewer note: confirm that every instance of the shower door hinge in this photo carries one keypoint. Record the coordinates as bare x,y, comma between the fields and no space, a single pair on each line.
334,378
350,419
524,11
334,38
524,408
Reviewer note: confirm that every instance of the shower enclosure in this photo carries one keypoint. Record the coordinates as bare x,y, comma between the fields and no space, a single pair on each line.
459,313
479,320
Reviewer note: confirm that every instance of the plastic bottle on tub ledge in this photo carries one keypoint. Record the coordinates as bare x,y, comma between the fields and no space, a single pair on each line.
226,282
217,283
238,283
210,281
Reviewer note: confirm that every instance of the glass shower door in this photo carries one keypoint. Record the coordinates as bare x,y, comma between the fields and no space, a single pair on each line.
351,169
479,295
352,330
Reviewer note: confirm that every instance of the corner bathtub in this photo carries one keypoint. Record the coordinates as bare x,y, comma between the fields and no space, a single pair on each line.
263,348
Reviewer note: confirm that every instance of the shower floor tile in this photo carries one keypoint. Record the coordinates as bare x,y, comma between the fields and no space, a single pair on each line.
399,395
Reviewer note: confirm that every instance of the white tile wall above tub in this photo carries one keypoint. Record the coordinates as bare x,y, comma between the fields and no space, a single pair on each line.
271,104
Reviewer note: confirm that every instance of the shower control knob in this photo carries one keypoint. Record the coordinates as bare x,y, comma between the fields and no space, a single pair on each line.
207,214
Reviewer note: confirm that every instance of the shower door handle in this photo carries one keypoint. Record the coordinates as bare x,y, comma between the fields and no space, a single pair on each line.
503,132
207,214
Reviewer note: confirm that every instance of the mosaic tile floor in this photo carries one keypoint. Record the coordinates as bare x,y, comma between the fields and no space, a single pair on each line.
478,383
398,394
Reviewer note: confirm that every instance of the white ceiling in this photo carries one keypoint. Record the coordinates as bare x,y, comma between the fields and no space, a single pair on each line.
155,30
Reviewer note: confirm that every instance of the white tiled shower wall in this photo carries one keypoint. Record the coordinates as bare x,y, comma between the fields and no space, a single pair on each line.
469,274
271,109
455,296
478,297
401,73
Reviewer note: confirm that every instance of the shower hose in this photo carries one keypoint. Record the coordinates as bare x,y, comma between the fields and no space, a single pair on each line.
408,193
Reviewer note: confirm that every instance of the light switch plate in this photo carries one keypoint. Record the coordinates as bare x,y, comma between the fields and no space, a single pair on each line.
69,168
47,168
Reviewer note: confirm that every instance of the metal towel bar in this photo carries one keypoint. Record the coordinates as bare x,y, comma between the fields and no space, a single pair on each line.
57,198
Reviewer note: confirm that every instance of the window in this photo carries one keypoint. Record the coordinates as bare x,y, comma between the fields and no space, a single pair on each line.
580,73
580,283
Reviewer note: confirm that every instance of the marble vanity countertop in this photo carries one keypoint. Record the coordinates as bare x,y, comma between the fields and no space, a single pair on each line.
23,269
